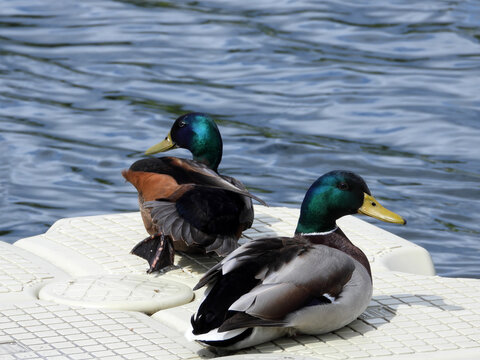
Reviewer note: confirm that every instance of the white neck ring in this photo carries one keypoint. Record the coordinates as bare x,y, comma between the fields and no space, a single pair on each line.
320,233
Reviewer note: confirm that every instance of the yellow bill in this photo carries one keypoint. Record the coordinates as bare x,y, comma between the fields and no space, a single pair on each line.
165,145
372,207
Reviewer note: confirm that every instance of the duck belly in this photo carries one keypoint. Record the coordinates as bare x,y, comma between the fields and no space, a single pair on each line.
351,303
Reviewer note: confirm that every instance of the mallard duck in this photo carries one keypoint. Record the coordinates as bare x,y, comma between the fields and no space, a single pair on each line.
312,283
185,204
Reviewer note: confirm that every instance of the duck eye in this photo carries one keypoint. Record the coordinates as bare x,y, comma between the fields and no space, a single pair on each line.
181,124
343,186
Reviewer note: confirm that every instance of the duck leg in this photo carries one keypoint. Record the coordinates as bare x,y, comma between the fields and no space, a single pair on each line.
157,250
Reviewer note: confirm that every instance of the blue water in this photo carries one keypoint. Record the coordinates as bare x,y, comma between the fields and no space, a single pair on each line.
389,90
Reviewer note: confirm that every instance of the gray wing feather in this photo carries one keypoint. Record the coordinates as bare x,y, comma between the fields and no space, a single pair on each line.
223,245
160,211
168,223
165,216
176,229
321,270
187,233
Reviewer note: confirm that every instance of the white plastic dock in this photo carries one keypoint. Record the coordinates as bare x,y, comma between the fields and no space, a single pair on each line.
76,292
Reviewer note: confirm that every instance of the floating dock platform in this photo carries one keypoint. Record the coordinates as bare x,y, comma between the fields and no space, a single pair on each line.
76,293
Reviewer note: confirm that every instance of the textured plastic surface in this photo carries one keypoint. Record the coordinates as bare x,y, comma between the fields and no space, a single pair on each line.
22,273
122,292
86,261
43,330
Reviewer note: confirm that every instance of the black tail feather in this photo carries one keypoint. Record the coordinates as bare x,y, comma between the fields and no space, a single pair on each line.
213,311
157,250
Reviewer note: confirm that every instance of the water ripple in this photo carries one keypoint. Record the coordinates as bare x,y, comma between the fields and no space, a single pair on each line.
386,89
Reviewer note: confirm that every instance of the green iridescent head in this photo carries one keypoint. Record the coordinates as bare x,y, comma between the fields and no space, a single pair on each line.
336,194
198,133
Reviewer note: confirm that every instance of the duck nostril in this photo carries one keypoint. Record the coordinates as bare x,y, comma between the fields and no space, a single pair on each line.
374,204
